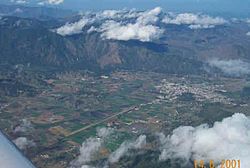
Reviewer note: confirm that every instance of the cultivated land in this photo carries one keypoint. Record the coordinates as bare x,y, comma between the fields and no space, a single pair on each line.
66,108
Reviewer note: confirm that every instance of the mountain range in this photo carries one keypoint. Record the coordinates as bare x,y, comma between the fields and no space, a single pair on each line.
181,49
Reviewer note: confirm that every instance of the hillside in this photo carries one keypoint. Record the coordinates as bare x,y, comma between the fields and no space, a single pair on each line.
179,50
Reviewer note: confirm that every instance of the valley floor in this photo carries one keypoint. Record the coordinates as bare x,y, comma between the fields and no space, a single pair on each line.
63,110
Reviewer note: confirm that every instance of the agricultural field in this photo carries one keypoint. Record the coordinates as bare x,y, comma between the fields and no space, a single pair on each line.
65,109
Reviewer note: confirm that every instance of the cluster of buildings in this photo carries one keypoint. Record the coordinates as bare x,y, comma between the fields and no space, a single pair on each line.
201,92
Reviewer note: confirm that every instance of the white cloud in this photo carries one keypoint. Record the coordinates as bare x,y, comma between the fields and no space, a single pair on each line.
24,126
51,2
118,25
125,147
139,143
104,132
143,29
248,33
92,29
111,14
135,25
73,28
55,2
118,31
149,17
20,1
117,14
228,139
40,2
194,21
18,10
248,20
231,67
23,143
86,166
118,153
90,148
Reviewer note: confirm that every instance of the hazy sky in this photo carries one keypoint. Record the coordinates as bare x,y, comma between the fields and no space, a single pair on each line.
237,7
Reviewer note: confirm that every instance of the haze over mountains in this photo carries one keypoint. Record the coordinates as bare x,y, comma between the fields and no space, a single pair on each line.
150,40
41,13
132,73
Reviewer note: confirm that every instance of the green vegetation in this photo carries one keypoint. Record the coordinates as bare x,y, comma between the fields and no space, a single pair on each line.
64,103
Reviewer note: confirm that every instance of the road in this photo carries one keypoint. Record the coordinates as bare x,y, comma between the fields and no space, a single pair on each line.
100,122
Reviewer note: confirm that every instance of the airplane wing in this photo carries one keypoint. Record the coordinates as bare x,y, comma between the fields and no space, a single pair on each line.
10,156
